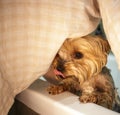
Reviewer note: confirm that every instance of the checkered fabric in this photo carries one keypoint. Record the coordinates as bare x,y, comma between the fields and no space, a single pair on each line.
32,31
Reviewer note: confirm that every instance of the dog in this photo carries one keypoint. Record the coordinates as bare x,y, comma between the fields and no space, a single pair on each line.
80,67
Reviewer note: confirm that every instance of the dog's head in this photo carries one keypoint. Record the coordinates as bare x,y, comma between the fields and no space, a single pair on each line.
81,57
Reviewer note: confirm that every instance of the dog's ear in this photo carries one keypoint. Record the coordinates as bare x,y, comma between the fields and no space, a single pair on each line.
99,43
104,45
107,46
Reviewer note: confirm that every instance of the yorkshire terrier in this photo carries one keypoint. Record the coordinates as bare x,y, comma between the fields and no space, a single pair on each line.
80,66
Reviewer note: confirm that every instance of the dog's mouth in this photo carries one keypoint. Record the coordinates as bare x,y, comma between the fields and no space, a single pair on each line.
59,74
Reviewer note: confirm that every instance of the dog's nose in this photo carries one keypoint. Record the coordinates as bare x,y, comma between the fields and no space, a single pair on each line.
60,68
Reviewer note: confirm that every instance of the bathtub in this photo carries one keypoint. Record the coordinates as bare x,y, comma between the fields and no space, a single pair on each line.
37,98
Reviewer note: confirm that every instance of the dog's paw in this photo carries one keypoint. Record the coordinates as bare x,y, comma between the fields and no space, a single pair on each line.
88,98
55,89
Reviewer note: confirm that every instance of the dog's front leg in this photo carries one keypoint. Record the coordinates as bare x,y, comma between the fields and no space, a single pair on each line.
102,99
56,89
99,94
68,84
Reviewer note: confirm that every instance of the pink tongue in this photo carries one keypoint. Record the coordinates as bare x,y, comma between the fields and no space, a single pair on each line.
56,72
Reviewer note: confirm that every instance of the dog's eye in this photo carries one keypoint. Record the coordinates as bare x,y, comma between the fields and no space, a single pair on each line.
78,55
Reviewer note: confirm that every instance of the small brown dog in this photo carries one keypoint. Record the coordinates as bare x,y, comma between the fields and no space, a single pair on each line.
80,67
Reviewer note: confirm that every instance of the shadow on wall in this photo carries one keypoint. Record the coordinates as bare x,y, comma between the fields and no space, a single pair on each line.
99,30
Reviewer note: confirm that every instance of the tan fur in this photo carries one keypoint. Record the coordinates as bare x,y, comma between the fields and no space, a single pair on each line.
82,61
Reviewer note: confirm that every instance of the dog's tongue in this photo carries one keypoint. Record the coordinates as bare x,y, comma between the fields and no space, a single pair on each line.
56,72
